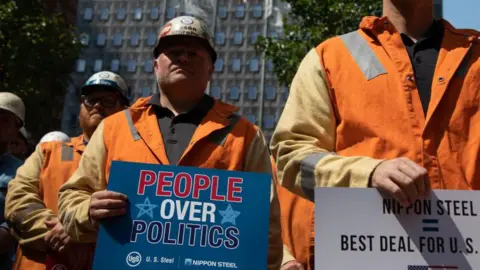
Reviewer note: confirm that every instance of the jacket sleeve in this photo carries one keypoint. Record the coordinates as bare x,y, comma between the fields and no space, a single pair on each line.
257,159
303,143
75,194
24,208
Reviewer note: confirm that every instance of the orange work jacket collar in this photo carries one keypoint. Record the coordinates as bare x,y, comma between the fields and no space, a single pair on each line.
377,25
145,121
78,143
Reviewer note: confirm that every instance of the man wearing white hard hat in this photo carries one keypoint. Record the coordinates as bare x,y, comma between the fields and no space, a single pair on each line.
184,127
31,205
55,136
12,117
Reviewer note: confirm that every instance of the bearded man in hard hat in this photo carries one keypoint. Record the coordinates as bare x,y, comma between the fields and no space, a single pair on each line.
180,125
31,206
12,117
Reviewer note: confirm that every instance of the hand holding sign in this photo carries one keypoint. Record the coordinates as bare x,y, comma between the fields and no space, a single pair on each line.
402,178
106,204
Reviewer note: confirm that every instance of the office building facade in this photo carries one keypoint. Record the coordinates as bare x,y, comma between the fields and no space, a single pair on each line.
120,35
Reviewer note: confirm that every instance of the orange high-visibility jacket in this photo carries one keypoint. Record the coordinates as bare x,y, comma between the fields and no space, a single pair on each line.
32,198
354,103
223,140
297,233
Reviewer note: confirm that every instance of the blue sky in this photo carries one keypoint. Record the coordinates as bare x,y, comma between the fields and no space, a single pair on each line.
462,13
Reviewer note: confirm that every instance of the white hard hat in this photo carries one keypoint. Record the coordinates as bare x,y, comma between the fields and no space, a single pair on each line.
12,103
106,79
55,136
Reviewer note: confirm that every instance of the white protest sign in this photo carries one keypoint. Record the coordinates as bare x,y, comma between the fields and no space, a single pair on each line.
357,228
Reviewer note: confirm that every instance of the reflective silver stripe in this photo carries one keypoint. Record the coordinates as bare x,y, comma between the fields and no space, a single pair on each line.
67,153
363,55
132,128
220,136
463,68
307,173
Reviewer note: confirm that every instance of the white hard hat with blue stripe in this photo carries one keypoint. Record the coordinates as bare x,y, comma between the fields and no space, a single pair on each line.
109,80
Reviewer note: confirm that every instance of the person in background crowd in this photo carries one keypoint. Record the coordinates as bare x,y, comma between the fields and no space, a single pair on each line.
12,118
180,125
392,105
31,205
19,145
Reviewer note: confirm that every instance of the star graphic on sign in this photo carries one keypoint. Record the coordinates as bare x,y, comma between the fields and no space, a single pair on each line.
229,215
145,208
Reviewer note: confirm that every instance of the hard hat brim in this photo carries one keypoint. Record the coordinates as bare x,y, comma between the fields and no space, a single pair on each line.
163,42
88,89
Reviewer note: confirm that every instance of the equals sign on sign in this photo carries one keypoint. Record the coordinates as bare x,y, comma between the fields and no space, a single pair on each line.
430,225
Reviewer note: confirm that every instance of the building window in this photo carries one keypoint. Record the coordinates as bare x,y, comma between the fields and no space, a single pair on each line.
88,15
220,38
84,39
257,11
137,14
104,14
135,39
254,65
154,13
238,38
219,65
115,65
101,39
170,12
132,66
121,14
234,93
81,64
240,11
285,93
222,12
97,65
252,92
148,66
151,39
252,118
146,91
269,66
255,37
270,93
269,121
273,34
236,65
216,92
117,39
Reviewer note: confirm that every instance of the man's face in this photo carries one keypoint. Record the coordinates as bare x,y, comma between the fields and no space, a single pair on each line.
184,62
17,146
10,126
96,106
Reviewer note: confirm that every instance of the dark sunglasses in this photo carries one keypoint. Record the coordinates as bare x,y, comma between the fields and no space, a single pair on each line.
106,102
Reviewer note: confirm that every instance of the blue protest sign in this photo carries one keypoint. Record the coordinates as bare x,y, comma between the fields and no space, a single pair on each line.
184,218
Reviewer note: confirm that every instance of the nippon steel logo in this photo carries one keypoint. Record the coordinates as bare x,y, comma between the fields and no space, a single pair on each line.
134,259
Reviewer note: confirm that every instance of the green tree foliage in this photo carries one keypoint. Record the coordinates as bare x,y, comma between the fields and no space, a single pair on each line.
308,24
37,55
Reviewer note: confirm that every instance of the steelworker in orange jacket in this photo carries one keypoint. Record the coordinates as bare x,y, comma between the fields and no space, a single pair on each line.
392,105
31,204
180,125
